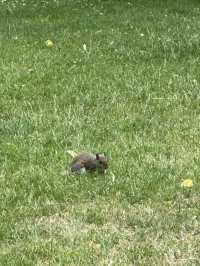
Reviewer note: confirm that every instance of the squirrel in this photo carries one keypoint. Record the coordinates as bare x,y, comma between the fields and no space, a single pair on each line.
84,162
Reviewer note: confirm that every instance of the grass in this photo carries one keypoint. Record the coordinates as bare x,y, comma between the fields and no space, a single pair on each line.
134,94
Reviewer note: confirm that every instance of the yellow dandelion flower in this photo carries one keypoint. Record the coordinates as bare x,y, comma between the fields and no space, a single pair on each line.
187,183
49,43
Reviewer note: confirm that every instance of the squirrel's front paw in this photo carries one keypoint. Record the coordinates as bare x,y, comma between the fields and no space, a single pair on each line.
80,171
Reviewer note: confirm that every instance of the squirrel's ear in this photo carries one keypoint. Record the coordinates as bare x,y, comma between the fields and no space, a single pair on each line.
97,156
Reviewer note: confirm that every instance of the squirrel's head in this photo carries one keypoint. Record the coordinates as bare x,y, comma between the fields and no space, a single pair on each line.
102,162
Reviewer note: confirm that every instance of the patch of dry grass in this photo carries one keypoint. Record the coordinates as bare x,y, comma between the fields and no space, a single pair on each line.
115,233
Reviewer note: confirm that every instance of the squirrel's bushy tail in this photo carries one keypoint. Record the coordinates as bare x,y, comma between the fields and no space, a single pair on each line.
72,153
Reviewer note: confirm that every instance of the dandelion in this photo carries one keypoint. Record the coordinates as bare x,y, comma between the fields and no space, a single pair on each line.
49,43
187,183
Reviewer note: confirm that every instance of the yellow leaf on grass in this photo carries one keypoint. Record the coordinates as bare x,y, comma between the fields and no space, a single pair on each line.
187,183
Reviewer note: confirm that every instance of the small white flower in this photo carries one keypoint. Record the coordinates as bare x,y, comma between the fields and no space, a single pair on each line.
113,177
142,34
84,47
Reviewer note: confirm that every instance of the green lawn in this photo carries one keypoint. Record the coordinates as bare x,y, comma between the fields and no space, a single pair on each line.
122,78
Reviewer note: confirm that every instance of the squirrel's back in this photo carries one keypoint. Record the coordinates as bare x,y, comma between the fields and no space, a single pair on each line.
89,162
